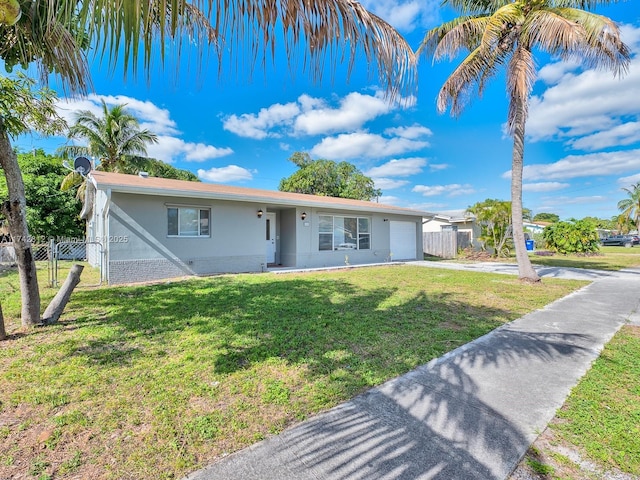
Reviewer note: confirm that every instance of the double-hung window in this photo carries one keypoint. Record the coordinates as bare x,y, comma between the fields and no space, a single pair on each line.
344,233
188,222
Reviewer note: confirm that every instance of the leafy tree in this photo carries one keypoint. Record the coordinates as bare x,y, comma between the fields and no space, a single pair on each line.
328,178
56,37
603,223
158,168
630,207
506,33
50,212
114,138
494,218
546,217
22,108
575,236
621,223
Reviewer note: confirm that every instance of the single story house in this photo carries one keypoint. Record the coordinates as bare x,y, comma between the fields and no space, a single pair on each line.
458,220
141,228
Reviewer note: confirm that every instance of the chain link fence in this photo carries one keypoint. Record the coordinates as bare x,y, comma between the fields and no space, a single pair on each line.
58,257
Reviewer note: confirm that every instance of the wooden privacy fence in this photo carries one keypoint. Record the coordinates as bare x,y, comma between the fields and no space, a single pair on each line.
445,244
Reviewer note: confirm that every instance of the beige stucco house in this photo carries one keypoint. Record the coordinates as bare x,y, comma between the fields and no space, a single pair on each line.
147,228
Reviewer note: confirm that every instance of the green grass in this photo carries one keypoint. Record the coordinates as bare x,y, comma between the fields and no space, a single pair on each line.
599,423
610,258
602,415
155,381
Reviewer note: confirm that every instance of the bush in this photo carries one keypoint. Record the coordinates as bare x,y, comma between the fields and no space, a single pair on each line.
578,236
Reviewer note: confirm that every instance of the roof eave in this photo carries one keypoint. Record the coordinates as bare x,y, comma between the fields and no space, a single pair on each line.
258,199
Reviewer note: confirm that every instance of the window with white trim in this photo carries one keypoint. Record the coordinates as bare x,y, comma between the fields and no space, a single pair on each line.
188,222
344,233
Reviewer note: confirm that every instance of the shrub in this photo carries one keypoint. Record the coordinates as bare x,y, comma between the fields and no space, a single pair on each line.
579,236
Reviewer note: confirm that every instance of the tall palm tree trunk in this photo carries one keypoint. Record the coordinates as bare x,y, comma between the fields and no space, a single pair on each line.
525,269
14,210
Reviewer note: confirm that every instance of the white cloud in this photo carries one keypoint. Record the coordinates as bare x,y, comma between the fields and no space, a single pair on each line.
428,207
544,186
157,120
228,174
171,148
554,72
574,166
389,200
389,183
354,111
628,181
362,144
406,15
413,132
316,116
588,109
403,167
619,135
451,190
436,167
258,125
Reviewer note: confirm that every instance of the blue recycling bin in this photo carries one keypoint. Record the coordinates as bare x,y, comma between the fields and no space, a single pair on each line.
530,244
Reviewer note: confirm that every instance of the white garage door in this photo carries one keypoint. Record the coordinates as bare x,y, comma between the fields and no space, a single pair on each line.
403,240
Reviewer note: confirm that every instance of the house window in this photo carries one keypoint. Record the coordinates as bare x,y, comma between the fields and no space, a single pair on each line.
344,233
188,222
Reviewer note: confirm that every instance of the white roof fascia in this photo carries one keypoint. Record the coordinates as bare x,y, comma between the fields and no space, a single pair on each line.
256,199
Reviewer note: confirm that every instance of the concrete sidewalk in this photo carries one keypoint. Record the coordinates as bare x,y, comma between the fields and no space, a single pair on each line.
470,414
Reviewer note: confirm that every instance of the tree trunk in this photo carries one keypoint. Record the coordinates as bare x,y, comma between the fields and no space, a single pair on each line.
14,210
56,307
525,269
3,332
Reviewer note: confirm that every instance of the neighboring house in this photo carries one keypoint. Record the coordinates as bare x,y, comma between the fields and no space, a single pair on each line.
534,227
458,220
153,228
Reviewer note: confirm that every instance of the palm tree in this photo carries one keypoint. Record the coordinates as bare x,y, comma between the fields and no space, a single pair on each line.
56,36
630,207
506,32
114,139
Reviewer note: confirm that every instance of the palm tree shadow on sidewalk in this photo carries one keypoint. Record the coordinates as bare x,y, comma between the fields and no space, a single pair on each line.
444,420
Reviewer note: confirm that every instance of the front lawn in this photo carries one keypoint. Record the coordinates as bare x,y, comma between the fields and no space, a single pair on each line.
609,258
155,381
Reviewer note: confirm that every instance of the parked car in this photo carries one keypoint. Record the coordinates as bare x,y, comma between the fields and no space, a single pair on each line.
622,240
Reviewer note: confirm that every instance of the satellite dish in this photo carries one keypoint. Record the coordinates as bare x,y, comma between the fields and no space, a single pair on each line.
82,165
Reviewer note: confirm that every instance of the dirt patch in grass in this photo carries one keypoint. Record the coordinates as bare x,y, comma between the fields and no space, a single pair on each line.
551,458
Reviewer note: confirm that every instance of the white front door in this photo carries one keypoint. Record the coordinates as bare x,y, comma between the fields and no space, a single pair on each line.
271,237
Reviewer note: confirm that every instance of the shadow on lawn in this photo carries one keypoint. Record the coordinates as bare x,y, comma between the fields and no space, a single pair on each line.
324,323
435,422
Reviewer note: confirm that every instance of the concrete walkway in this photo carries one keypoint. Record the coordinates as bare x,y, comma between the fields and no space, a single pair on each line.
470,414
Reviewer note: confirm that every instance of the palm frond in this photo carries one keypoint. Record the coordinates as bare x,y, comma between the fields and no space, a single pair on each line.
574,33
521,75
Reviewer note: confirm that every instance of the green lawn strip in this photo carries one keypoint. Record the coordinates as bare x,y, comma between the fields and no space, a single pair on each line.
609,258
602,414
155,381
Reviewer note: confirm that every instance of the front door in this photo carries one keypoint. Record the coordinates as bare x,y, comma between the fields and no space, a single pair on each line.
271,237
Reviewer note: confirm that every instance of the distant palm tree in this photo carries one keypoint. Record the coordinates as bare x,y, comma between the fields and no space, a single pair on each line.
57,35
500,33
630,207
114,139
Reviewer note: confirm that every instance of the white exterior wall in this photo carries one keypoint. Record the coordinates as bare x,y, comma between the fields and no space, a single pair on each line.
309,255
140,248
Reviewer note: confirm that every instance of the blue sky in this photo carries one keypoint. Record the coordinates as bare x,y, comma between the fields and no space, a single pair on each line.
583,132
